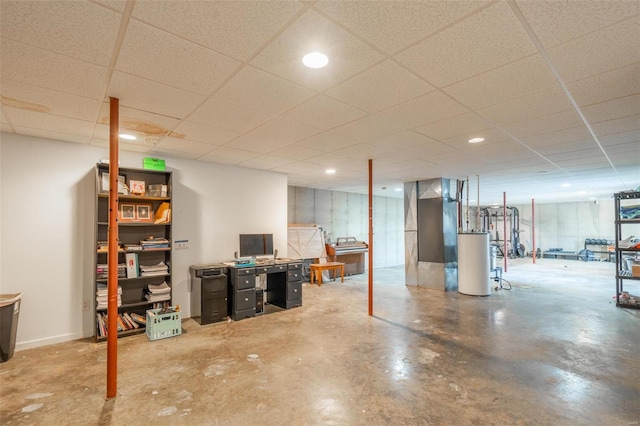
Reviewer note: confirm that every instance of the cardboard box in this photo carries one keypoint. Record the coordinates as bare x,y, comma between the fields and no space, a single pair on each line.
153,164
635,270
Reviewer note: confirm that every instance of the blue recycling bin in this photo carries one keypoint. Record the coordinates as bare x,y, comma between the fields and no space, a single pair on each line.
9,312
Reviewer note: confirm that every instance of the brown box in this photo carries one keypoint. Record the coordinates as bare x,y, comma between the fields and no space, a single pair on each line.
635,270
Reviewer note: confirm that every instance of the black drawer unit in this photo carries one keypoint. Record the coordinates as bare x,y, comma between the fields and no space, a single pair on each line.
243,278
209,293
244,299
294,286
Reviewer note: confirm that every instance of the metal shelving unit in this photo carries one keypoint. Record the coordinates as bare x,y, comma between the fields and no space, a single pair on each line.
621,276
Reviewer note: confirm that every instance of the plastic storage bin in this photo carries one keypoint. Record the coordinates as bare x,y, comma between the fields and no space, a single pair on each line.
9,312
163,323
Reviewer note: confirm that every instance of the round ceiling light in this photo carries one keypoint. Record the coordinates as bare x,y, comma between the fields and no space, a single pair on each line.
315,60
330,171
476,140
127,136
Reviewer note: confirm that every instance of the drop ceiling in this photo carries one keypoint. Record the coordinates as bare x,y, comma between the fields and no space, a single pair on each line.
552,86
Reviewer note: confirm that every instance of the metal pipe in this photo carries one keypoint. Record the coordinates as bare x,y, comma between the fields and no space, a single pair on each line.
112,249
504,222
466,229
533,229
478,204
370,237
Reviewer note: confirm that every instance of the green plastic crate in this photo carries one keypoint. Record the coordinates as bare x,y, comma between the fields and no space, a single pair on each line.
160,326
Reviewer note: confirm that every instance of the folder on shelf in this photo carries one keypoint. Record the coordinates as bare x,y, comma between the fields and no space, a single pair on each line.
132,265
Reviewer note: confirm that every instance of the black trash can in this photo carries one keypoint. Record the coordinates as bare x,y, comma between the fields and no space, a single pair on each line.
9,311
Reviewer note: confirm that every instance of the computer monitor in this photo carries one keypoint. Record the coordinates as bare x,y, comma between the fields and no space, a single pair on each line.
253,245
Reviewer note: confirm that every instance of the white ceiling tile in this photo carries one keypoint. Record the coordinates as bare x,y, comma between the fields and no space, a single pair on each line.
228,117
391,26
616,108
380,87
530,106
202,133
284,130
502,151
570,146
236,28
297,167
429,149
309,33
2,118
323,113
146,125
403,140
255,144
135,92
431,107
38,120
296,152
558,136
363,151
117,5
506,83
329,160
25,96
181,148
122,145
50,134
610,85
38,67
617,126
85,31
227,155
265,162
617,138
613,47
548,123
582,153
470,47
491,136
326,142
257,90
367,128
632,149
453,126
555,21
153,54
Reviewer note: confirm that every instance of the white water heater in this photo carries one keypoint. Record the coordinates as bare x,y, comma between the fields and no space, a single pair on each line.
473,264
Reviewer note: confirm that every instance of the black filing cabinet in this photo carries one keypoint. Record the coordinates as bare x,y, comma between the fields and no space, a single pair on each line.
294,285
243,288
209,294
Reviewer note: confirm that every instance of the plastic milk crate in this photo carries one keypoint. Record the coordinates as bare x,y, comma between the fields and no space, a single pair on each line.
162,325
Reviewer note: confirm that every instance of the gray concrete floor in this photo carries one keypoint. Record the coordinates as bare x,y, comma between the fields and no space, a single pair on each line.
554,350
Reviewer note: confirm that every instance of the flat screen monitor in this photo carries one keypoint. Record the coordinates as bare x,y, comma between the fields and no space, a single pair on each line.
252,245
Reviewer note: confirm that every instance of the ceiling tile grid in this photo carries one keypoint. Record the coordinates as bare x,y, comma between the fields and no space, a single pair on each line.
408,83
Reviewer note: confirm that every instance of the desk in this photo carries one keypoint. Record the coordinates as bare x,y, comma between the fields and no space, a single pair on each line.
317,268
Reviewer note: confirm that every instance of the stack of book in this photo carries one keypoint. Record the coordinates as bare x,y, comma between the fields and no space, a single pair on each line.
125,321
154,243
102,296
151,270
102,270
158,293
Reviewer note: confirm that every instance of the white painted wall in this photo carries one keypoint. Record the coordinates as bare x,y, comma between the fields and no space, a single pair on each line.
47,219
342,214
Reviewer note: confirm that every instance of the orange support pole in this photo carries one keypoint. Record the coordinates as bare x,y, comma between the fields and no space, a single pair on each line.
504,236
533,229
112,260
370,237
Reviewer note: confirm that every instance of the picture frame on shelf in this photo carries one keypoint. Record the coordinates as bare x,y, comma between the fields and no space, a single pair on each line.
143,212
127,212
137,187
122,187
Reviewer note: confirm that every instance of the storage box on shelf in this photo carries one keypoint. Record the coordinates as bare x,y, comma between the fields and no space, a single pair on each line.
144,247
627,248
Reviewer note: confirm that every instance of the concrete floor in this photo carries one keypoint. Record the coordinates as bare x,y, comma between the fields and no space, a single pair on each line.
553,351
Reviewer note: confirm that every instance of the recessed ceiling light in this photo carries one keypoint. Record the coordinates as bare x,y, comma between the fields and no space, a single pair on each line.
127,136
476,140
566,185
315,60
330,171
398,189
